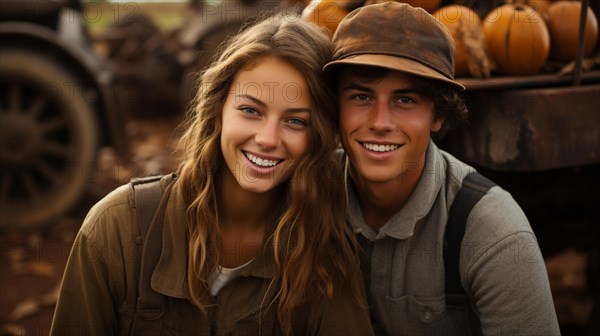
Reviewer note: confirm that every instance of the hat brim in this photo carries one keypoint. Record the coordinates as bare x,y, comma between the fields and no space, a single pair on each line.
393,63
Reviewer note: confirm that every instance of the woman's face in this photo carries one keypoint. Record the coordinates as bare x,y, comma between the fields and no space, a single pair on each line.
265,124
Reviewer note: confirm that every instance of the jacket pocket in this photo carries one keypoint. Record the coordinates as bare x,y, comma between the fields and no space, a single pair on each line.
426,310
411,315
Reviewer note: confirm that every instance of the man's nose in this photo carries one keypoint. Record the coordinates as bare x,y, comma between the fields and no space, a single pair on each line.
381,118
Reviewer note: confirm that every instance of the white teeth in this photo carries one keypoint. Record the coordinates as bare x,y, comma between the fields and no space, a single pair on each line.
261,162
379,148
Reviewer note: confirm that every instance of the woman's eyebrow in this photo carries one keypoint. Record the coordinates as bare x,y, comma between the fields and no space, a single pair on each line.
251,98
263,104
298,110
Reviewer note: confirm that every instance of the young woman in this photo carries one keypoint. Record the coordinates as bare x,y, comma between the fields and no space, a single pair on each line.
253,238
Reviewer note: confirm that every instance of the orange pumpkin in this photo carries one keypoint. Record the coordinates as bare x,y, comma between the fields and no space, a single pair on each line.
563,23
541,6
463,23
326,13
517,38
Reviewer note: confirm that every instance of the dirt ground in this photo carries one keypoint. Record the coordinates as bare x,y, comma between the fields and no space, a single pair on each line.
32,261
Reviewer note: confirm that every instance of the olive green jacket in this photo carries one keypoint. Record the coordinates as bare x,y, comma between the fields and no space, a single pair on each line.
99,289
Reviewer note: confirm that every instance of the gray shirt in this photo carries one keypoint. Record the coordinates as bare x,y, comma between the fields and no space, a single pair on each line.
501,267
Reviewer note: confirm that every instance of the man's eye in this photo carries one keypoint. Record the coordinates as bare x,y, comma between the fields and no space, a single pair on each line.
360,97
406,100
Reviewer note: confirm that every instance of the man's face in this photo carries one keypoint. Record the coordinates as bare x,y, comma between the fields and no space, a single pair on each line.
385,125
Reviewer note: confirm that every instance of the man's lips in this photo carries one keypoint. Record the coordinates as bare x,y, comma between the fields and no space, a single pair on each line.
379,147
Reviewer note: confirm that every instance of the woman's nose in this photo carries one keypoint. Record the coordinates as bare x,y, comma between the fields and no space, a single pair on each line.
268,136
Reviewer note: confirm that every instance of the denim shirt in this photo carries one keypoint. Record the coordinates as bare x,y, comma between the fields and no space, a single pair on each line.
501,266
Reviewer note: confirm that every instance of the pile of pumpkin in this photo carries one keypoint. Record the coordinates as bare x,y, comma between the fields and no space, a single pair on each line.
517,37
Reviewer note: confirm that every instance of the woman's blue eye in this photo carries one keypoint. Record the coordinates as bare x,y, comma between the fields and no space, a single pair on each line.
248,110
298,122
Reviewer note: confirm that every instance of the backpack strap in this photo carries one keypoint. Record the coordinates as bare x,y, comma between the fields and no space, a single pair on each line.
147,197
474,186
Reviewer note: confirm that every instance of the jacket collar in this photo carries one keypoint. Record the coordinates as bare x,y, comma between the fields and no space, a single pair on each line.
402,224
170,275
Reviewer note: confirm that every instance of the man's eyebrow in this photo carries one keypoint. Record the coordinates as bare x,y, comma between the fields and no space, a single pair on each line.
356,86
251,98
409,90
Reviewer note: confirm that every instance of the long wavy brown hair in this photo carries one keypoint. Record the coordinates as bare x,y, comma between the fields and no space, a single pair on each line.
312,246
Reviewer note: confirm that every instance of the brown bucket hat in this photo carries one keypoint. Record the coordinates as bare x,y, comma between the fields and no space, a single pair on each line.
396,36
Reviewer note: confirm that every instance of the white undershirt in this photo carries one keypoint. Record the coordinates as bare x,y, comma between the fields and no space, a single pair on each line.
221,276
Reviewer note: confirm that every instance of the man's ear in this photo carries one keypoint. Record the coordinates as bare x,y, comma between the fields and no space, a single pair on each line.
437,122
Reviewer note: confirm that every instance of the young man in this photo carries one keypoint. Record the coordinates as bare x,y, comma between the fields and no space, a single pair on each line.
394,66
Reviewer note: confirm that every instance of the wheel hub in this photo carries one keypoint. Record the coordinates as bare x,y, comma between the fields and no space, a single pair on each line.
19,139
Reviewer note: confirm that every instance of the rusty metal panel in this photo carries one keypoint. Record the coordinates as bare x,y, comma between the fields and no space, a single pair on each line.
531,129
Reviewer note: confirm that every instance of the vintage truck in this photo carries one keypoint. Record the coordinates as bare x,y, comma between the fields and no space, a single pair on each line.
57,106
